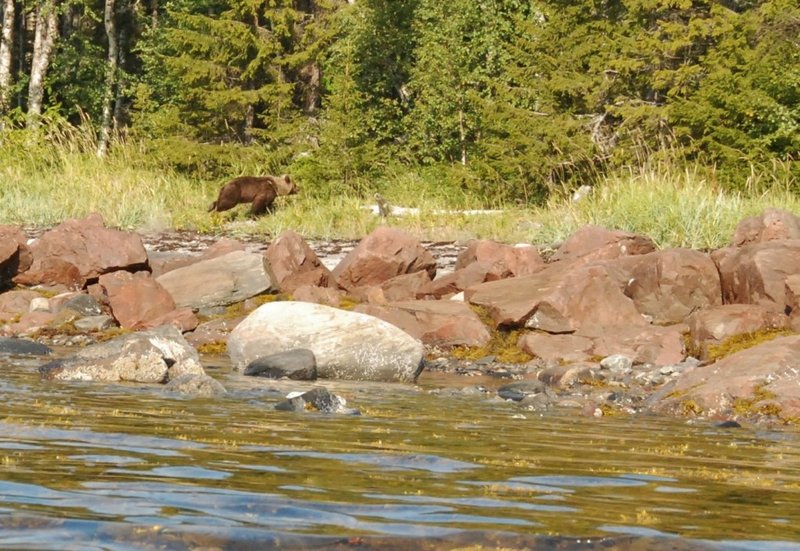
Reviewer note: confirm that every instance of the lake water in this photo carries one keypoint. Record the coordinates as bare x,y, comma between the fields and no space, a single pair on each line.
97,466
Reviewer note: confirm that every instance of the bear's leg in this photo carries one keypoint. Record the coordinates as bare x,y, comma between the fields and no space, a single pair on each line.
263,203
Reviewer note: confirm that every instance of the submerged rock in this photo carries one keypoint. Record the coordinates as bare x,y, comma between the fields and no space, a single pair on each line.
23,347
317,399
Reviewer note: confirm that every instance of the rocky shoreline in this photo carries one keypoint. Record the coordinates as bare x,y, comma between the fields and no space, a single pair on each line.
606,325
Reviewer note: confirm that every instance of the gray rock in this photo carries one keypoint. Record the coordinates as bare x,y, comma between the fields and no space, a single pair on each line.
347,345
94,323
152,356
196,385
226,279
22,347
519,390
83,304
298,364
617,362
317,399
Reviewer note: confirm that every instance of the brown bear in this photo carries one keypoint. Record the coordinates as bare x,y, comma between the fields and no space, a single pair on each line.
261,191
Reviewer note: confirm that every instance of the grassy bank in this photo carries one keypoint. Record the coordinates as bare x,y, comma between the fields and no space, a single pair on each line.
674,206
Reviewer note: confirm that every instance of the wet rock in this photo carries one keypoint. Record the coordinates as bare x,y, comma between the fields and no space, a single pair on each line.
518,391
298,364
317,399
383,254
80,250
292,263
347,345
22,347
439,323
772,224
195,384
565,376
153,356
227,279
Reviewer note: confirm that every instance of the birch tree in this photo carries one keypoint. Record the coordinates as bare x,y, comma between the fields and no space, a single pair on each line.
6,40
107,122
43,41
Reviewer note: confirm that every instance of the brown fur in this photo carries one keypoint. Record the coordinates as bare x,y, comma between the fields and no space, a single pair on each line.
261,191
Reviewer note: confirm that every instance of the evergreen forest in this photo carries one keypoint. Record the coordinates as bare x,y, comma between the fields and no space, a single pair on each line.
507,101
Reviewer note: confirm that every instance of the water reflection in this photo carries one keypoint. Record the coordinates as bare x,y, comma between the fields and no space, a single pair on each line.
123,467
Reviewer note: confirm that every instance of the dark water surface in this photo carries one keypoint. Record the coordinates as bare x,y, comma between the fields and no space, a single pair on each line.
96,466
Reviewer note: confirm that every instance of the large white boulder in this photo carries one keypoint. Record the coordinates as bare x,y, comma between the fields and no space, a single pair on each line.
347,345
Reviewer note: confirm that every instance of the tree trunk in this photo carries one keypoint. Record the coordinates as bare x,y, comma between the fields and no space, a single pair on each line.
43,41
6,40
112,63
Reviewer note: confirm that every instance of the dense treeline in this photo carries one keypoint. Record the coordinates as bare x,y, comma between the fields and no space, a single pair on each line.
504,99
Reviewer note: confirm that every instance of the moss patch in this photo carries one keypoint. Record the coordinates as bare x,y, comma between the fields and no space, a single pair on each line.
502,343
760,403
744,341
215,347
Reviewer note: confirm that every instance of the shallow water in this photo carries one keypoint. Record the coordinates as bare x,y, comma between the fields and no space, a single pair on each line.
96,466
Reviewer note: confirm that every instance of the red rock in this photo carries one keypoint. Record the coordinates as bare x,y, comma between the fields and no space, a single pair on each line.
213,331
772,224
15,257
757,273
560,299
443,323
182,318
383,254
405,286
77,251
501,260
136,299
456,281
592,243
713,326
764,379
556,348
15,303
292,263
644,345
669,285
319,295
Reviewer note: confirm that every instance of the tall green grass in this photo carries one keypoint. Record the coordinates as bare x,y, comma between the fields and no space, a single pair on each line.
45,179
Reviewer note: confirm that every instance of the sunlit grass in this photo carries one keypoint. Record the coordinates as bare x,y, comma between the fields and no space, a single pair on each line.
43,186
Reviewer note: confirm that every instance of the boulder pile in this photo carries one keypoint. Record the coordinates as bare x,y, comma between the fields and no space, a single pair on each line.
676,313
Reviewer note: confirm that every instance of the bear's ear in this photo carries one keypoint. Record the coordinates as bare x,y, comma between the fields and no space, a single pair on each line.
287,179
